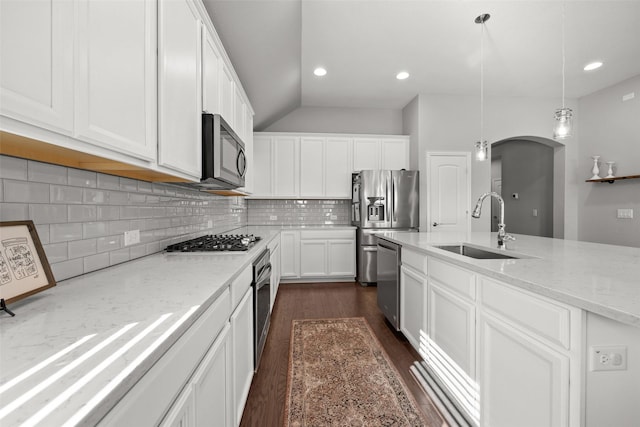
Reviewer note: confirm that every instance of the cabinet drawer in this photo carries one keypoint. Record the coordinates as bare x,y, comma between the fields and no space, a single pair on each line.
327,234
240,285
414,259
456,278
547,319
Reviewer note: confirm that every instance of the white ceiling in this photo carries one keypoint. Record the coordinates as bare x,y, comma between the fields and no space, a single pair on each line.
275,45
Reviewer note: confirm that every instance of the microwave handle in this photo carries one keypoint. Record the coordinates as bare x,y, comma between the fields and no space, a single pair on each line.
241,163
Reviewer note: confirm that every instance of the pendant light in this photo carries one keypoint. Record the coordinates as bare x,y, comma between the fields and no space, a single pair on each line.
563,115
481,147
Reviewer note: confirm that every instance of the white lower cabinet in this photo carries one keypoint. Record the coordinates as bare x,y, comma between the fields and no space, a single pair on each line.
505,356
275,269
413,307
327,253
522,381
242,353
290,252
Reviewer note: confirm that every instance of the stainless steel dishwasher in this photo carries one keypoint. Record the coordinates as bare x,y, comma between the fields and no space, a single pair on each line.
389,281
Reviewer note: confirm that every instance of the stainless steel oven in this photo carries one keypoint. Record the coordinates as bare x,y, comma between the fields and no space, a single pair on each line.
261,303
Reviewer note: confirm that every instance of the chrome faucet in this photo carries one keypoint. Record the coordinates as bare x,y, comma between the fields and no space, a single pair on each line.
502,234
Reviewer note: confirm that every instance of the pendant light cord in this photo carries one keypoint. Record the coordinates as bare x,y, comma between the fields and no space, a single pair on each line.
563,53
481,81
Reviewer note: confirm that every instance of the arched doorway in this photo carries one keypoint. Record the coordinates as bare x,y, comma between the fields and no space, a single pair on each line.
527,172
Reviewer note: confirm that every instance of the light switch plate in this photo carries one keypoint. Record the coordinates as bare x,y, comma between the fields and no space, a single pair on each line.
625,213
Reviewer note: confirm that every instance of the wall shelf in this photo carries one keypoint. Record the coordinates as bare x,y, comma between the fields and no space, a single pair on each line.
611,180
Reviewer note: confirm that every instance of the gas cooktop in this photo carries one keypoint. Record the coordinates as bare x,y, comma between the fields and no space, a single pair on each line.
216,243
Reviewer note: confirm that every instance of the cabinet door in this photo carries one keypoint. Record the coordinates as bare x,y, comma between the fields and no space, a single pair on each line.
36,84
338,167
227,95
313,258
312,167
116,76
341,256
242,353
248,151
212,384
290,253
522,381
394,154
413,321
366,154
180,109
262,166
276,257
238,112
182,413
211,65
285,166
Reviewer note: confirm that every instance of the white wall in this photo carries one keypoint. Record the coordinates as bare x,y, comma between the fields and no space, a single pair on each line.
411,127
340,120
613,397
610,128
452,123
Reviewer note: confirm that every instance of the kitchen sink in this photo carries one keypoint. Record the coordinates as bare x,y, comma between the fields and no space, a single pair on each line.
474,252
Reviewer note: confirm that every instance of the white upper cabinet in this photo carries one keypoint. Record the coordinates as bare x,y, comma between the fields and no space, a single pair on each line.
36,70
325,167
227,95
286,166
380,153
116,76
238,113
180,109
312,166
262,165
211,66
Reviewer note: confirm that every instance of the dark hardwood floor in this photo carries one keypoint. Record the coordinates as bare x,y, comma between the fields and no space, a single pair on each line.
265,404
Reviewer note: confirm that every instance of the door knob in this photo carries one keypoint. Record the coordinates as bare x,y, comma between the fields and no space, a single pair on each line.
435,224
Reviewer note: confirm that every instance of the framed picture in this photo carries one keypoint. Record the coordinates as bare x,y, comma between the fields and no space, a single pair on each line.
24,269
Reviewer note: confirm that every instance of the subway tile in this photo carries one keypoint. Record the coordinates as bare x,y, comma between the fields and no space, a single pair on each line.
108,182
159,188
1,190
25,191
82,213
96,262
44,172
108,212
48,214
109,243
14,211
119,227
43,233
13,168
129,212
67,269
118,197
128,184
82,248
137,251
119,256
145,187
56,252
65,232
65,194
94,229
82,178
92,196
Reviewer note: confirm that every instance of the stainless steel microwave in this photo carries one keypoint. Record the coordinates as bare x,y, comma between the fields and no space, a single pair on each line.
223,159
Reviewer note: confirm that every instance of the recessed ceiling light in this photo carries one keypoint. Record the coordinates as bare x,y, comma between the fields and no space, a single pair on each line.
593,66
402,75
320,72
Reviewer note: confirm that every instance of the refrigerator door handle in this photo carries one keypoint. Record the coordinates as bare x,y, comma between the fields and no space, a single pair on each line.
393,201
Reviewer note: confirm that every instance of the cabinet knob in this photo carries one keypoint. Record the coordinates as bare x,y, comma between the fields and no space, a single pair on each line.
435,224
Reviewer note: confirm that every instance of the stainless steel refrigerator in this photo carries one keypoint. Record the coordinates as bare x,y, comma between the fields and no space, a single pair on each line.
381,200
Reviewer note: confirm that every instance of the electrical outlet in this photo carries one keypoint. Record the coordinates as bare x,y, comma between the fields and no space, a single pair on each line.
608,358
625,213
131,237
273,217
333,217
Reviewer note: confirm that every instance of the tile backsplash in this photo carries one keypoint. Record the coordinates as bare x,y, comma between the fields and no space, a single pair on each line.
81,216
299,212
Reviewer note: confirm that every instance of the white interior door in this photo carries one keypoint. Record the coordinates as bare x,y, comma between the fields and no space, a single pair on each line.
448,191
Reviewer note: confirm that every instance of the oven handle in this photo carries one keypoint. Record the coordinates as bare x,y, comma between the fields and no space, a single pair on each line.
263,274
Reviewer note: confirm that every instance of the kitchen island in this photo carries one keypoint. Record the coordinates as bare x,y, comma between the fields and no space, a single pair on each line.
548,337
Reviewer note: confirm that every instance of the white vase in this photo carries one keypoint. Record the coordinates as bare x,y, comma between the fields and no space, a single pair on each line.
595,171
610,171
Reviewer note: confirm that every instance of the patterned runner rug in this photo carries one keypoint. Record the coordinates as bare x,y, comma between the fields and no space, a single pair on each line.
339,375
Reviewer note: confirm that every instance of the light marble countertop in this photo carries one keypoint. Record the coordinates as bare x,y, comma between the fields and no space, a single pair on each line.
75,349
603,279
